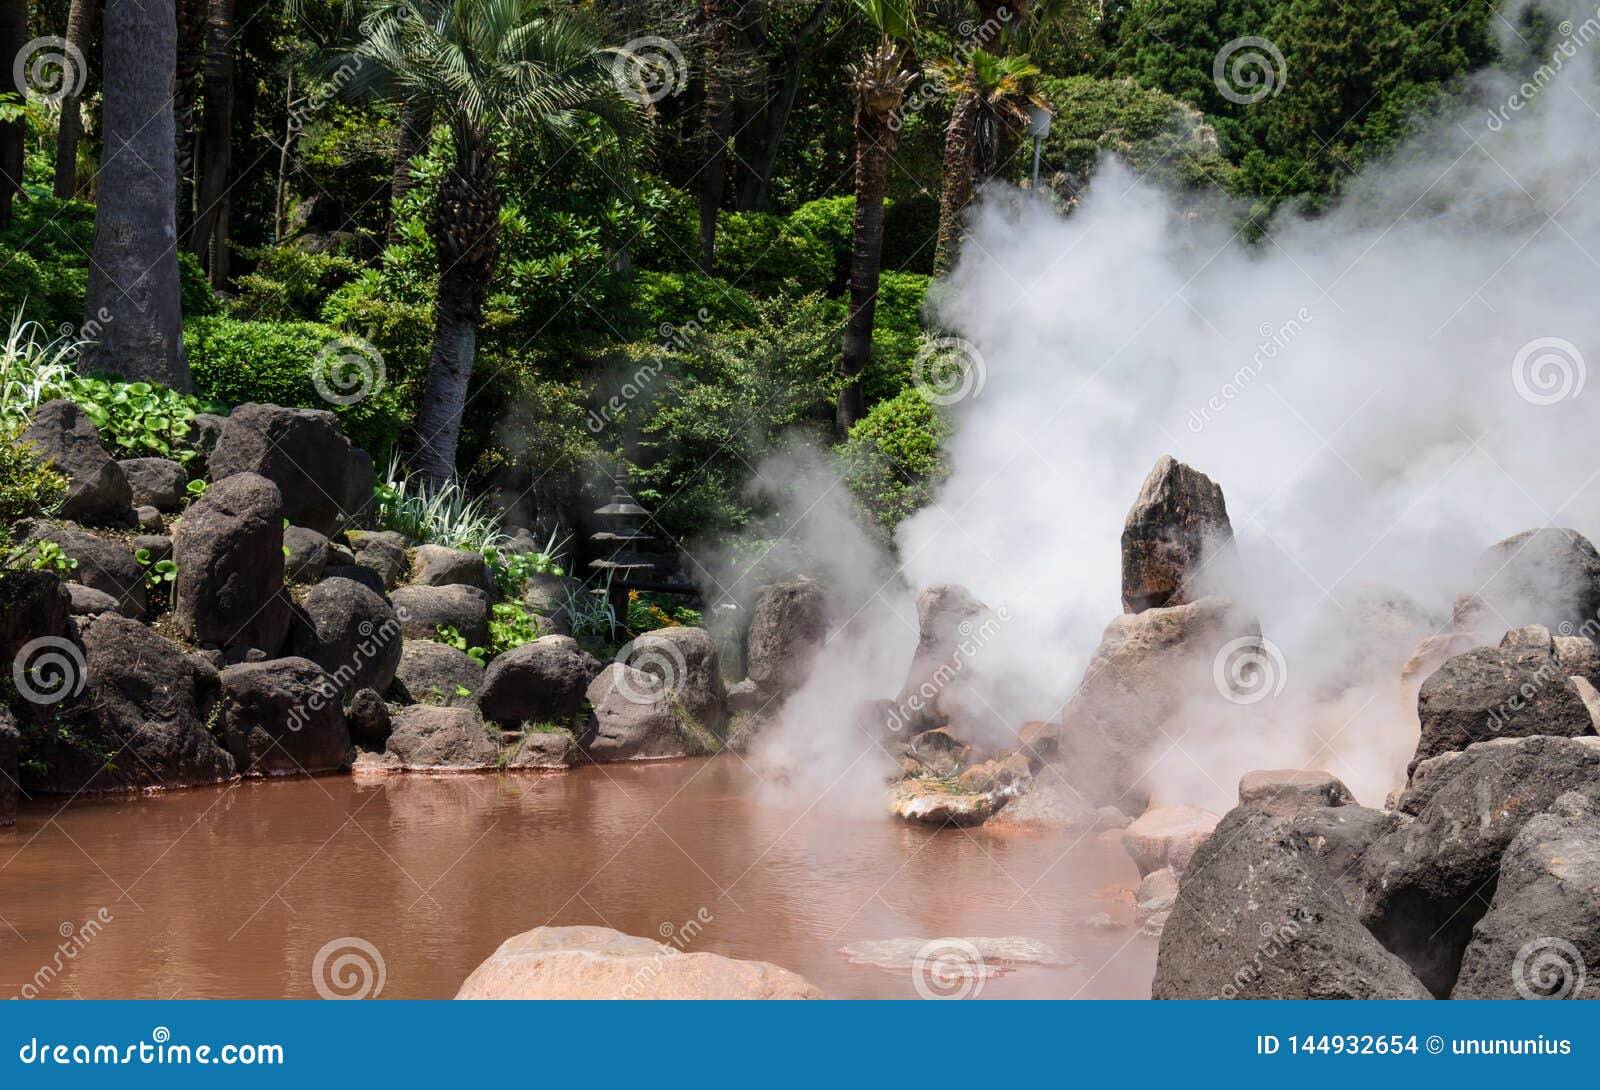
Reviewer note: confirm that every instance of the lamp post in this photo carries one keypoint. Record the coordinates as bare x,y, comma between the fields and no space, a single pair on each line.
1038,128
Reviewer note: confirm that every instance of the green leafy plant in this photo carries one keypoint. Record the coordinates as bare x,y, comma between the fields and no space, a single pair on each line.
158,573
139,419
445,515
511,570
48,556
33,369
29,488
196,489
510,626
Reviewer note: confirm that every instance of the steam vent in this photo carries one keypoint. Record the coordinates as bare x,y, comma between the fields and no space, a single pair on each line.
1174,529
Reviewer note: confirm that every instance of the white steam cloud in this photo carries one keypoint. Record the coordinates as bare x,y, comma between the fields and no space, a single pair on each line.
1381,393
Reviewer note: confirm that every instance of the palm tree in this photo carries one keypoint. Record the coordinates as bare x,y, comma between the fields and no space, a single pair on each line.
80,21
133,268
480,66
992,99
13,43
880,82
209,236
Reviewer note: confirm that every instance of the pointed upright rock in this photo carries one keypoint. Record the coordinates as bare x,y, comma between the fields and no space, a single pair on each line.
1172,531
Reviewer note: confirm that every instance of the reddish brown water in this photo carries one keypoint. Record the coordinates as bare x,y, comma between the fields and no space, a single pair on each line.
230,892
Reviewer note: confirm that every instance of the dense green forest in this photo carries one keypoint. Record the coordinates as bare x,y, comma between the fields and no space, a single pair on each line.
533,244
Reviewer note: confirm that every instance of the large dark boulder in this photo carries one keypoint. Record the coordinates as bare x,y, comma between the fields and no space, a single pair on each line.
368,719
104,563
539,682
633,718
686,660
384,551
350,632
325,482
1340,836
438,566
426,738
97,489
1549,576
1518,689
425,610
33,605
1429,880
1541,934
204,431
283,717
787,629
142,721
156,482
1257,917
1175,528
229,552
305,555
436,673
1154,676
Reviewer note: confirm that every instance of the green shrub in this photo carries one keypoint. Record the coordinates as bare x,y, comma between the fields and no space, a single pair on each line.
445,515
910,224
831,221
33,369
760,253
28,489
662,299
893,460
234,362
896,332
290,283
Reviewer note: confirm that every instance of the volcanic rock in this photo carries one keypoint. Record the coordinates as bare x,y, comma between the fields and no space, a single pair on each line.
1176,527
1167,836
97,489
432,739
425,610
326,484
156,482
787,629
283,717
350,632
540,682
1287,791
633,718
436,673
1548,576
686,660
229,552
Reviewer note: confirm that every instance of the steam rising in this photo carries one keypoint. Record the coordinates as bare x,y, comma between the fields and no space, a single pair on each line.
1381,393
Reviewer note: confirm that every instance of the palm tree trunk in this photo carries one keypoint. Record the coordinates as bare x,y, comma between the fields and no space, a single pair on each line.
465,230
955,184
133,274
13,44
80,18
873,142
416,125
186,89
719,127
210,237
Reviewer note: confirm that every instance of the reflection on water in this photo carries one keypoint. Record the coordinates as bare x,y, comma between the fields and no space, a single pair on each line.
230,892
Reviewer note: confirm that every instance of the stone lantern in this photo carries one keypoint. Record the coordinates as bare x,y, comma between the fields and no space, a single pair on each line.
619,548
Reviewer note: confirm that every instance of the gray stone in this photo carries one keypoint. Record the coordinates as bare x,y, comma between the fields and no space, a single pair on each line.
427,738
97,489
1257,917
86,601
424,610
105,564
148,520
1541,934
1340,837
384,551
1549,576
633,718
350,632
283,717
229,552
937,690
204,431
1426,881
436,673
1173,531
326,484
1287,791
156,482
438,566
552,749
305,555
686,659
539,682
787,628
368,719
